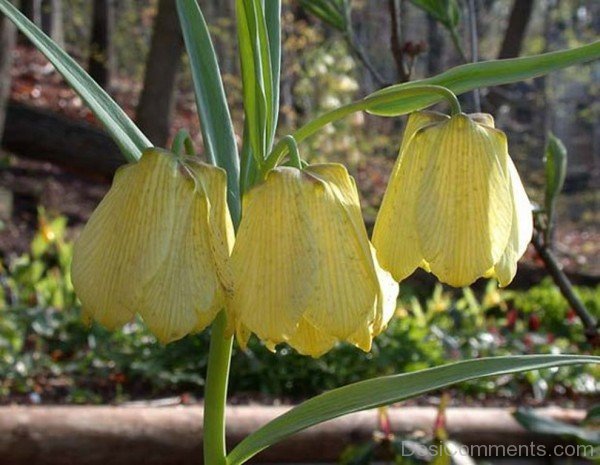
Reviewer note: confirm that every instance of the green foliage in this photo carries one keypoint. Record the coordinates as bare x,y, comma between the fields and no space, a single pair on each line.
586,434
556,171
129,138
46,349
447,12
217,128
332,12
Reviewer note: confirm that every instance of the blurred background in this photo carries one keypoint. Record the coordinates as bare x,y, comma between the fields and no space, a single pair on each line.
56,164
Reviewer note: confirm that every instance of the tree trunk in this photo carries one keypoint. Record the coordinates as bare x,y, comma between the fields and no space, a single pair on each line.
52,20
157,100
33,10
100,60
7,41
517,26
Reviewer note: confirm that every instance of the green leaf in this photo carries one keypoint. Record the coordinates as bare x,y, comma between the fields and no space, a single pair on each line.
217,129
329,11
465,78
386,390
593,414
555,161
447,12
257,75
120,127
540,424
273,21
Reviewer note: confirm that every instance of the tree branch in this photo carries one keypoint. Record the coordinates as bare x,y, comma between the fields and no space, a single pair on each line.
566,288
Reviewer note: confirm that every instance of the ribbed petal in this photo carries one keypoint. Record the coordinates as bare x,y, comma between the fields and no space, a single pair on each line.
308,340
346,292
387,298
395,234
520,232
185,294
274,259
465,209
212,182
126,239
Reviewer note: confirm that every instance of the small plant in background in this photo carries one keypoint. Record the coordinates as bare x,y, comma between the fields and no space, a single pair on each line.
418,448
586,434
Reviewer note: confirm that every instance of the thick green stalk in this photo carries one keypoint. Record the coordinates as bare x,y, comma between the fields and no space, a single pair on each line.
215,393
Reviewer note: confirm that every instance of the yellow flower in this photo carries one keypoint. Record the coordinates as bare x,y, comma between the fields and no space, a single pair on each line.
455,204
304,270
157,245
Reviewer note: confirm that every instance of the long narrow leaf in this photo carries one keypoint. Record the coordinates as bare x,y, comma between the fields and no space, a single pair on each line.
263,56
125,133
386,390
465,78
273,22
215,120
253,94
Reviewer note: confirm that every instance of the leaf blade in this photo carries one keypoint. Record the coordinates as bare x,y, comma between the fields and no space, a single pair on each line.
121,128
217,128
465,78
273,23
386,390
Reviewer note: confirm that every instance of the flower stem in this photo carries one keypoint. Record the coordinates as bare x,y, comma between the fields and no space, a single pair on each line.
369,102
215,394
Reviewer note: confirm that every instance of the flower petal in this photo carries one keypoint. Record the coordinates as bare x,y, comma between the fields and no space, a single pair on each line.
520,232
212,182
185,294
126,239
395,233
308,340
386,300
274,259
346,292
465,212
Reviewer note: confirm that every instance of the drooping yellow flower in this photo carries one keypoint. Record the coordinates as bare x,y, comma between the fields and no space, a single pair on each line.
157,245
455,204
304,271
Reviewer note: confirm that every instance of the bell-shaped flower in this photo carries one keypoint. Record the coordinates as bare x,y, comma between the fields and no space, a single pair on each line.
157,245
304,270
455,204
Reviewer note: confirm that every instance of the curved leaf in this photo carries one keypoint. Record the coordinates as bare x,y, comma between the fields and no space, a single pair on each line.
120,127
386,390
329,11
537,423
465,78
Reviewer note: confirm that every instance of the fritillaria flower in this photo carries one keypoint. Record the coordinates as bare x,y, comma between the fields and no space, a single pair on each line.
304,270
157,245
455,204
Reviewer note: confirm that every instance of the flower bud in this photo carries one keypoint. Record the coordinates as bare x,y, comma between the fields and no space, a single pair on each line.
304,271
455,204
157,245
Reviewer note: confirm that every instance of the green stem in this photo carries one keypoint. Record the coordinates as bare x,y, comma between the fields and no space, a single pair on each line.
215,394
282,147
590,324
458,45
182,142
295,159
